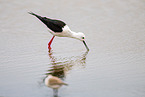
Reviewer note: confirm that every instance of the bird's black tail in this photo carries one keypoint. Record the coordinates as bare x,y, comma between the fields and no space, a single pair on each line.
43,19
39,17
32,13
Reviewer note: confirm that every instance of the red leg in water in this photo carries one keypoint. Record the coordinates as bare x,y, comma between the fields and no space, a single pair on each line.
49,44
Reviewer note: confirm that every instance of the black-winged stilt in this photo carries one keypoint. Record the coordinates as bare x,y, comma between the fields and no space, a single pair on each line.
59,28
54,82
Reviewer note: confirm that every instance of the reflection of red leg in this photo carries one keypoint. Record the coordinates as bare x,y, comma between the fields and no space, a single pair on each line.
49,44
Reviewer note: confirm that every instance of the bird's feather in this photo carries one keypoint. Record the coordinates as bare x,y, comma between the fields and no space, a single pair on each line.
52,24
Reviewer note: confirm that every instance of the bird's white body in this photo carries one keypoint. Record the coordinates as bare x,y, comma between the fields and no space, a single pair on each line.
68,33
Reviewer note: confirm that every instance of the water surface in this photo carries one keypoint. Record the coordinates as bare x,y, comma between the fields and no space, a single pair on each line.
114,66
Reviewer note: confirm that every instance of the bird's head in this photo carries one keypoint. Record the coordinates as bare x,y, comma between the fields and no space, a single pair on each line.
80,36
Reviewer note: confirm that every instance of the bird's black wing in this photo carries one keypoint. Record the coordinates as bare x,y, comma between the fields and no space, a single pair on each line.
54,25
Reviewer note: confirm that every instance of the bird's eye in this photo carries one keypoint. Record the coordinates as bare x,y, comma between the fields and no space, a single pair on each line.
83,37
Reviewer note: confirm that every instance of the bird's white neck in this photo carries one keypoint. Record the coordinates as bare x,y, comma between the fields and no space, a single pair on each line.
76,35
73,34
68,33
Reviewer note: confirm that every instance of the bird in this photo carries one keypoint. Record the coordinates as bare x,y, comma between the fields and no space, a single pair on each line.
54,82
59,28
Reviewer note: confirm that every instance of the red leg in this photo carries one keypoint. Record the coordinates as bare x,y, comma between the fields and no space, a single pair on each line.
49,44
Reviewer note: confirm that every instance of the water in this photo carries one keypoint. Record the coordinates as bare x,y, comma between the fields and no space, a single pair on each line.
114,66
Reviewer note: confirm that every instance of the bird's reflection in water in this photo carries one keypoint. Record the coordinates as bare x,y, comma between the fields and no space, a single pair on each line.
61,66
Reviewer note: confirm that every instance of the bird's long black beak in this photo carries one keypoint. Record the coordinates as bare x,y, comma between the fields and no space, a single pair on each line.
85,45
